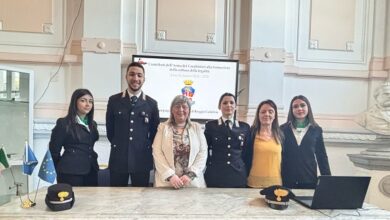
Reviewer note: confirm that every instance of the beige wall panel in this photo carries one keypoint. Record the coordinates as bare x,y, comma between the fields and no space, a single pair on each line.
332,24
186,20
26,15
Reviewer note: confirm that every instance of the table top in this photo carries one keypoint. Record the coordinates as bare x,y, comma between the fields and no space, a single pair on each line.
167,203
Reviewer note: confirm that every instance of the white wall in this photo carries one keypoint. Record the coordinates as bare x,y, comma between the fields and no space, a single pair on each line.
328,95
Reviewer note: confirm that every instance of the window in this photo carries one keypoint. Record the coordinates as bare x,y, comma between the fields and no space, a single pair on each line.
9,85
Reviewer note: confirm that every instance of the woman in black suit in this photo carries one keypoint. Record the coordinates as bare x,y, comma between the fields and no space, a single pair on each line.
227,140
76,134
303,147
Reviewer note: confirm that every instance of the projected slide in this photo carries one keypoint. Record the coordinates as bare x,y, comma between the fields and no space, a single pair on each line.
201,80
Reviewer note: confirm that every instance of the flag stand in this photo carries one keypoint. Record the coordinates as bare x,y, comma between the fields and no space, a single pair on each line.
47,172
16,185
28,203
28,161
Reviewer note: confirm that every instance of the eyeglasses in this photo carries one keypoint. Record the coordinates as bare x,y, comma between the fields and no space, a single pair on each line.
302,105
184,107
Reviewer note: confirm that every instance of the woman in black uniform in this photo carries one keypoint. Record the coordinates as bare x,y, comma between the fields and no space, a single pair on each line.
227,140
76,134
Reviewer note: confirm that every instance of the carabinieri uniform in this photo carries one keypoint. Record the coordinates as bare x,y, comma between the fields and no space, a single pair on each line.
226,146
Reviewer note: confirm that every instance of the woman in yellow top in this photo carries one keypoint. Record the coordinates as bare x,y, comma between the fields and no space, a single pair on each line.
265,156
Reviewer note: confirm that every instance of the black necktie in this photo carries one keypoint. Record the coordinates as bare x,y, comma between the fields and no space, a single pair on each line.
133,100
227,123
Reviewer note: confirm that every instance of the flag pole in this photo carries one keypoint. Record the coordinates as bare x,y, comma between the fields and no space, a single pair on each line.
27,203
28,192
36,191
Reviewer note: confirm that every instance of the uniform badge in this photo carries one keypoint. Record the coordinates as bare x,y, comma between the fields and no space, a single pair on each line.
146,117
241,138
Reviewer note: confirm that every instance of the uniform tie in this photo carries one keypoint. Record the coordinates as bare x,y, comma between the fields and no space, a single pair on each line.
133,100
227,123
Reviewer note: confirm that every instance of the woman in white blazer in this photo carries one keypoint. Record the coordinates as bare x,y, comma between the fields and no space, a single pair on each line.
179,149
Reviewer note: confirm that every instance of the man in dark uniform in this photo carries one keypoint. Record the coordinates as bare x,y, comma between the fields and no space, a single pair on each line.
131,121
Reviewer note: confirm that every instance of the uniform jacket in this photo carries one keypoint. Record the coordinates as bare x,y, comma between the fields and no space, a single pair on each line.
164,158
79,156
131,131
299,162
226,150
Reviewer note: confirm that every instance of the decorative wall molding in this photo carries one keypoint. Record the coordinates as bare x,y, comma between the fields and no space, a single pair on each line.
220,45
384,186
325,72
161,34
27,16
264,54
75,48
52,33
42,128
50,110
338,129
386,64
38,58
375,69
101,45
313,44
372,159
350,136
128,50
339,59
377,63
243,57
48,28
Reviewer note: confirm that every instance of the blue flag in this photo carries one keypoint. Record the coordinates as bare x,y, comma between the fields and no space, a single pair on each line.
47,171
30,161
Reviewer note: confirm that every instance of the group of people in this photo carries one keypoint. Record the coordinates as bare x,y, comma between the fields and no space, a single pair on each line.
228,153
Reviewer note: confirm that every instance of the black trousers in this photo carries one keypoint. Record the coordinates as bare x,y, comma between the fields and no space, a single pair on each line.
90,179
139,179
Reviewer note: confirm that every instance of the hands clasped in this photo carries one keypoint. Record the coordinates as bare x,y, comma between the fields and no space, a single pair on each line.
179,182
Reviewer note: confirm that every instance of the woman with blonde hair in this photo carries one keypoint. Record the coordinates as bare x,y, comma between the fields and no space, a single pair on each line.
179,149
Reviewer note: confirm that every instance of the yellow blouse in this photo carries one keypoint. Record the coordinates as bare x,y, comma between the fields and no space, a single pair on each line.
266,164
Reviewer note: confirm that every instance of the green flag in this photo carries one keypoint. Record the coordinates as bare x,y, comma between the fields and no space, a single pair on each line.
3,159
